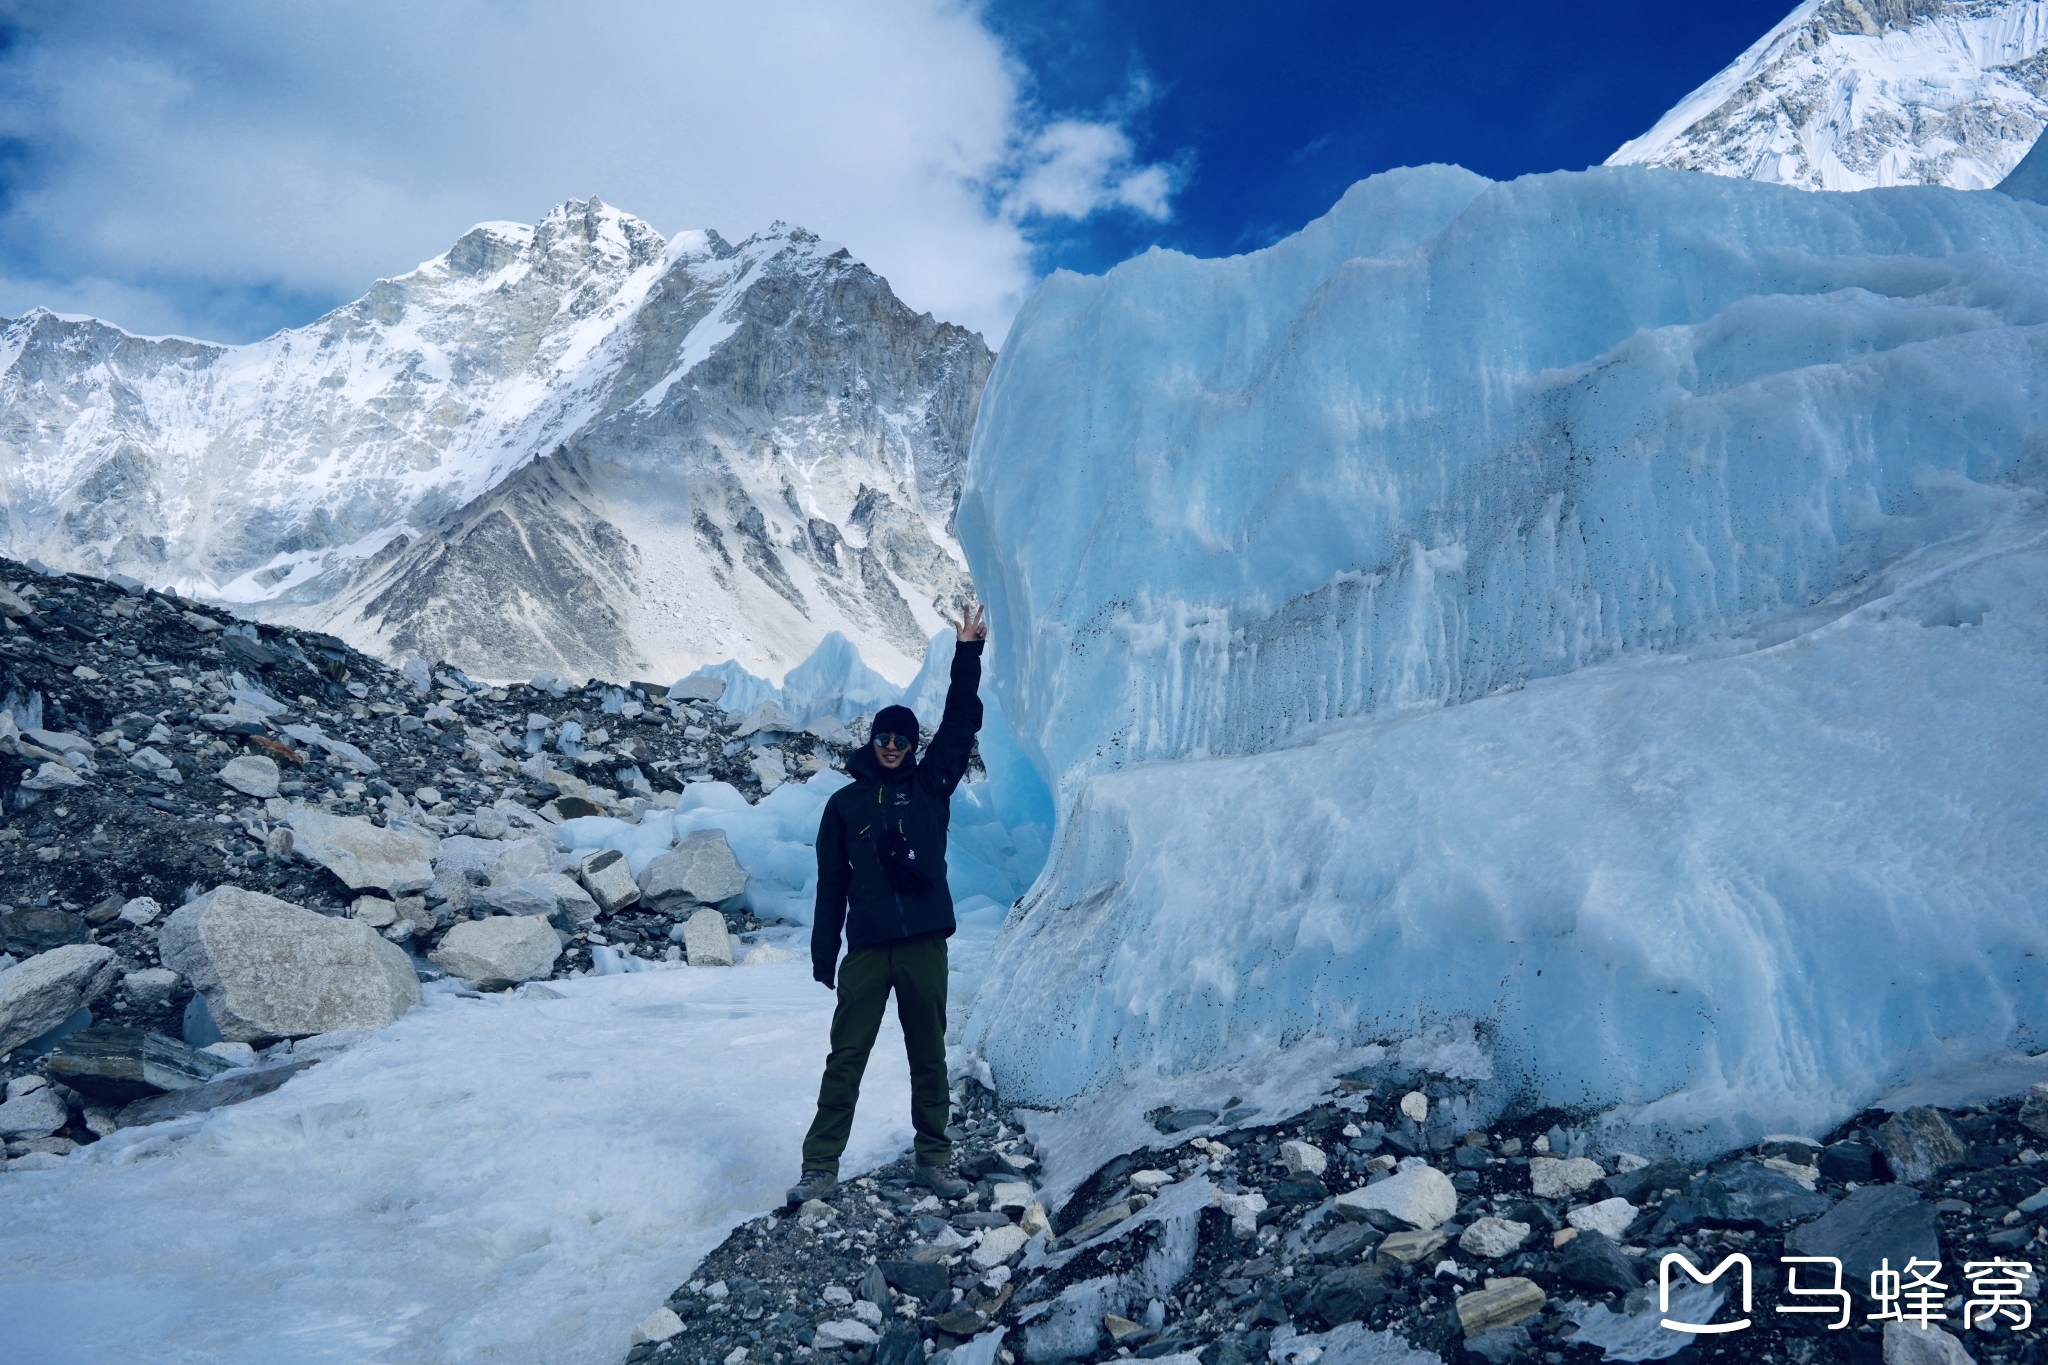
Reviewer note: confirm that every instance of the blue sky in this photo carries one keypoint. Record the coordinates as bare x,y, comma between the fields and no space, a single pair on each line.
223,168
1271,111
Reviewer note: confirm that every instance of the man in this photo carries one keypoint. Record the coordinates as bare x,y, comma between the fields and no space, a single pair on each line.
882,873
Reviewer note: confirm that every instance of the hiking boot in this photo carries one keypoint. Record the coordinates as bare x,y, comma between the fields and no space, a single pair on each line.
941,1181
813,1185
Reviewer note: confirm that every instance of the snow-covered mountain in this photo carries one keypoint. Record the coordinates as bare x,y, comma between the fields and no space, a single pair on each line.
573,446
1852,94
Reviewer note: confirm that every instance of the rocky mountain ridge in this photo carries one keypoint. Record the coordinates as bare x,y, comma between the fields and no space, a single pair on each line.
572,445
1855,94
166,765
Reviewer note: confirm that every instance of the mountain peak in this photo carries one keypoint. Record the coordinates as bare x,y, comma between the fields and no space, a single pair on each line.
1857,94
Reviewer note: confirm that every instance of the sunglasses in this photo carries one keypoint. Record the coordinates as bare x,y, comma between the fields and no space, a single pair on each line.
895,742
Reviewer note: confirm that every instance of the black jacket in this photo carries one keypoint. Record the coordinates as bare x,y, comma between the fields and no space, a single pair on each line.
915,799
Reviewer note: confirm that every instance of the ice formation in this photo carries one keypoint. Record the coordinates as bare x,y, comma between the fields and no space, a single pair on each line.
1606,606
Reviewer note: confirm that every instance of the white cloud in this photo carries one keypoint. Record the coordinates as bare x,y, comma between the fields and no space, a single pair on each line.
1071,169
213,167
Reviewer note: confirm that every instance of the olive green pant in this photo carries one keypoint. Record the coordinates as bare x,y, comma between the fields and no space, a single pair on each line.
915,969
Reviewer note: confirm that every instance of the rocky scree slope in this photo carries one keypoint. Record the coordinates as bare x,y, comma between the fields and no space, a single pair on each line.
1374,1228
567,444
1855,94
157,754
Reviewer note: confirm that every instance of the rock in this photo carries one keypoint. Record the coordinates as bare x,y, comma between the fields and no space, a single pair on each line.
1410,1247
922,1282
362,855
37,930
1415,1106
53,777
1348,1294
998,1245
148,760
659,1325
150,988
576,807
1850,1161
518,859
278,845
1561,1177
234,1054
609,881
1010,1194
1747,1195
1502,1303
1639,1182
269,969
140,911
1303,1158
251,775
35,1114
1242,1209
2034,1111
559,899
1918,1144
900,1345
1345,1240
1150,1182
700,868
499,951
489,824
697,689
1499,1345
41,993
1180,1120
1592,1261
1492,1238
1609,1216
115,1064
1906,1344
374,911
1420,1196
768,770
706,940
845,1332
1873,1223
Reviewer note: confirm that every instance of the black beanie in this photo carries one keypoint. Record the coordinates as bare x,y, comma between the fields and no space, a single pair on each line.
896,720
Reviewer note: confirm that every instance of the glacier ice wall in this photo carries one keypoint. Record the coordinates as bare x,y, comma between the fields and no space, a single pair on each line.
1457,434
1608,606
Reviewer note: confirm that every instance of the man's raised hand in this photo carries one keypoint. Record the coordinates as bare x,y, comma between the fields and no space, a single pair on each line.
973,622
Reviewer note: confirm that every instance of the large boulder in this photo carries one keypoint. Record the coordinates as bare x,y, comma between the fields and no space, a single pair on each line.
49,988
554,897
609,881
270,969
363,855
38,929
499,951
701,868
115,1064
706,939
33,1114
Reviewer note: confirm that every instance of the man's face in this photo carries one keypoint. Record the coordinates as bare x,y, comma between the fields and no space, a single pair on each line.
891,750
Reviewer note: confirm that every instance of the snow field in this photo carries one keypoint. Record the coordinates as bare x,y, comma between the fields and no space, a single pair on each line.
501,1179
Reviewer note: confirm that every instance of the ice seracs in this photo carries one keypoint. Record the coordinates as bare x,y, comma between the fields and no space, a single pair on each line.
1482,602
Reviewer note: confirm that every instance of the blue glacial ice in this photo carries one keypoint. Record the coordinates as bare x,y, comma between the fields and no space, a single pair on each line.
1608,607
